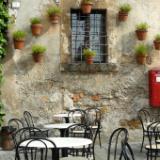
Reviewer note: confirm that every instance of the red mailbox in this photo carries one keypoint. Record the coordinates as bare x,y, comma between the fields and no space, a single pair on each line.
154,88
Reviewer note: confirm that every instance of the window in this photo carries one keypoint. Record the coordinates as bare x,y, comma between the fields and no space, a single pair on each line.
88,31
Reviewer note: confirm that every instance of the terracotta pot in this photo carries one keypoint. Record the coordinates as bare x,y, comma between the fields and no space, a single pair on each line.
141,59
54,18
89,60
122,16
141,34
19,44
157,45
38,57
36,29
86,8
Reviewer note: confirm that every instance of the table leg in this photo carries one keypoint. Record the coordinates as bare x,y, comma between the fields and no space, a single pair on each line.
55,154
66,119
64,150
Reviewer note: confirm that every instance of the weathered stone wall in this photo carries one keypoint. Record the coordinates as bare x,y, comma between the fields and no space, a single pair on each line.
44,89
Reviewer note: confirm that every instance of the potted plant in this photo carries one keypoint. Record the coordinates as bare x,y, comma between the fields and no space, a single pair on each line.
38,52
36,26
141,31
19,39
123,12
86,6
54,13
89,54
141,53
157,42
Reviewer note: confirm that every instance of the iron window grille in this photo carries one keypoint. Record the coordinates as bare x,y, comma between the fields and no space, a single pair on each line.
88,31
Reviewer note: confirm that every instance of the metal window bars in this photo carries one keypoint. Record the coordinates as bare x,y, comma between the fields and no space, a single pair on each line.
88,31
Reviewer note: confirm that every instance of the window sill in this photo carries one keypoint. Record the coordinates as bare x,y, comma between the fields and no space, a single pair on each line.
93,68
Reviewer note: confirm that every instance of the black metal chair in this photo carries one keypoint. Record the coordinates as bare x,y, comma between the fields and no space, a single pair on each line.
45,150
84,131
26,132
117,140
81,118
153,134
30,123
93,119
145,118
16,123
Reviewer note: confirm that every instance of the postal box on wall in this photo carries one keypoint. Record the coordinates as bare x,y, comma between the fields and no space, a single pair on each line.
154,88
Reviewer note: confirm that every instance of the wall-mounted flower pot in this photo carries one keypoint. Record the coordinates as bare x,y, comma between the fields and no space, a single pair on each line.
54,18
157,45
38,57
36,29
86,8
141,59
141,34
122,16
89,60
19,44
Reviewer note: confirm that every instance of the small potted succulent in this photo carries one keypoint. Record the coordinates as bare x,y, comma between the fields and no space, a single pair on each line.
19,39
157,42
141,53
38,52
36,26
54,13
124,9
141,31
89,54
86,6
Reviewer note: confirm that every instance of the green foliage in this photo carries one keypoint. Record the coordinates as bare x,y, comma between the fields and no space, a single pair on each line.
19,35
36,49
2,114
88,52
87,1
35,20
141,49
4,18
54,10
125,8
157,37
142,26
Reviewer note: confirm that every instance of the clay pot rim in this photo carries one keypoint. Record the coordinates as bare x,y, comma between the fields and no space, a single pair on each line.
141,55
141,30
38,24
54,14
123,13
87,3
23,39
155,41
40,53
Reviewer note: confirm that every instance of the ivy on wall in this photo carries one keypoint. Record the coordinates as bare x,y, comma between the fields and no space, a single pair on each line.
4,18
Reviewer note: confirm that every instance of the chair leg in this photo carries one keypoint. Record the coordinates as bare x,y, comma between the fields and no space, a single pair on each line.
142,143
99,136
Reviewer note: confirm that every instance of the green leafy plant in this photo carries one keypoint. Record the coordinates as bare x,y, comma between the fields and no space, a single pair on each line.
36,49
35,20
87,1
125,8
2,114
4,18
142,26
141,49
19,35
54,10
88,52
157,38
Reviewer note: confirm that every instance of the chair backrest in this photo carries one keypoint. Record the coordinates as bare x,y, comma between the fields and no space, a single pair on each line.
118,138
93,116
24,133
127,153
77,116
153,133
16,123
40,151
28,118
144,117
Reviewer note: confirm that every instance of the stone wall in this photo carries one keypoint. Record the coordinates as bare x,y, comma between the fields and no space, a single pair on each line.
45,89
